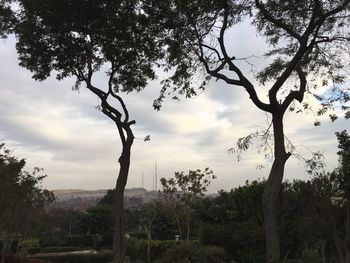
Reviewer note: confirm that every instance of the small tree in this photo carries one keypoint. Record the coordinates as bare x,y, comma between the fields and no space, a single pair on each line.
148,215
80,38
182,191
21,197
308,49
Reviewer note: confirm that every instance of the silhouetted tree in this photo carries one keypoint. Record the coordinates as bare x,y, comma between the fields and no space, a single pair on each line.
309,48
21,197
80,38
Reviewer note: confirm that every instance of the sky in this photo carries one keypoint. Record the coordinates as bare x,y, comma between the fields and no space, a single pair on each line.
61,131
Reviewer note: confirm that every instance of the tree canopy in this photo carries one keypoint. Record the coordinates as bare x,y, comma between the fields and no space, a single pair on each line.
21,196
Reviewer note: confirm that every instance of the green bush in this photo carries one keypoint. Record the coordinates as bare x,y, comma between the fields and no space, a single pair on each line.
29,246
210,254
242,241
192,251
136,249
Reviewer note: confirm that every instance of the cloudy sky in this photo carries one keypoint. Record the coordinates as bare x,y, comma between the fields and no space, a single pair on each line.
60,130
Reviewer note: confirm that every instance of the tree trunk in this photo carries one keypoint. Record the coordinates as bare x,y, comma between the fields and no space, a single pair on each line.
336,239
4,248
188,231
347,233
118,238
149,238
271,192
323,251
178,223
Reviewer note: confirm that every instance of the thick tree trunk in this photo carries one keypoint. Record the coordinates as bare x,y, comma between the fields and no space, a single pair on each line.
347,233
118,238
271,192
336,239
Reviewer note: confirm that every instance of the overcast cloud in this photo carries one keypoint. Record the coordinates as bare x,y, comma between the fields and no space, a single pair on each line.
61,131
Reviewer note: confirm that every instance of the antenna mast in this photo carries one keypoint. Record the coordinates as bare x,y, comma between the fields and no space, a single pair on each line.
156,175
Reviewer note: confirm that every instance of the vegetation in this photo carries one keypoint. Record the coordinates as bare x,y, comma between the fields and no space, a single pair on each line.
308,43
78,39
21,198
264,220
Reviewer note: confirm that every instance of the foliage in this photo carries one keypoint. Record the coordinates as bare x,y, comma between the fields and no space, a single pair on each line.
136,249
193,252
97,220
7,18
10,258
80,38
21,197
181,193
308,43
28,246
344,162
241,241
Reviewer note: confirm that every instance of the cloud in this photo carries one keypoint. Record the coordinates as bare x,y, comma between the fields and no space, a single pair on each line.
61,131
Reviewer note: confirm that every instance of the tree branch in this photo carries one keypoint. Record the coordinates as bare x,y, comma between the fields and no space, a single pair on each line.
277,22
296,94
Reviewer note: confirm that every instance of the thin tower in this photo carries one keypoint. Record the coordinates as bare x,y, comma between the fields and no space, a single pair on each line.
142,182
155,176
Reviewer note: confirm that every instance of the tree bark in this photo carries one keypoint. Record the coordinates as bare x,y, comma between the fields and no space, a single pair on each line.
4,248
118,238
336,239
149,238
272,189
347,233
188,231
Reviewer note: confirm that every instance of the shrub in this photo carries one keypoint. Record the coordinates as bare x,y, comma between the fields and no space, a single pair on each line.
210,254
11,258
192,251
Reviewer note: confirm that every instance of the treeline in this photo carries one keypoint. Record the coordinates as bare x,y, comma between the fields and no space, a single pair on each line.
312,221
183,225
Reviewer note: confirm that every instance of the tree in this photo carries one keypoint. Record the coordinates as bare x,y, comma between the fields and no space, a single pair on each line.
148,215
181,193
21,196
308,48
78,39
344,174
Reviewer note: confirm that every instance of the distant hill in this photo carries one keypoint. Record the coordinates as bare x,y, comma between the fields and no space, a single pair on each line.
80,199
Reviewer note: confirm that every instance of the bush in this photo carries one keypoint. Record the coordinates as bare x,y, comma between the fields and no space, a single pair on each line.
11,258
242,242
29,246
192,251
210,254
